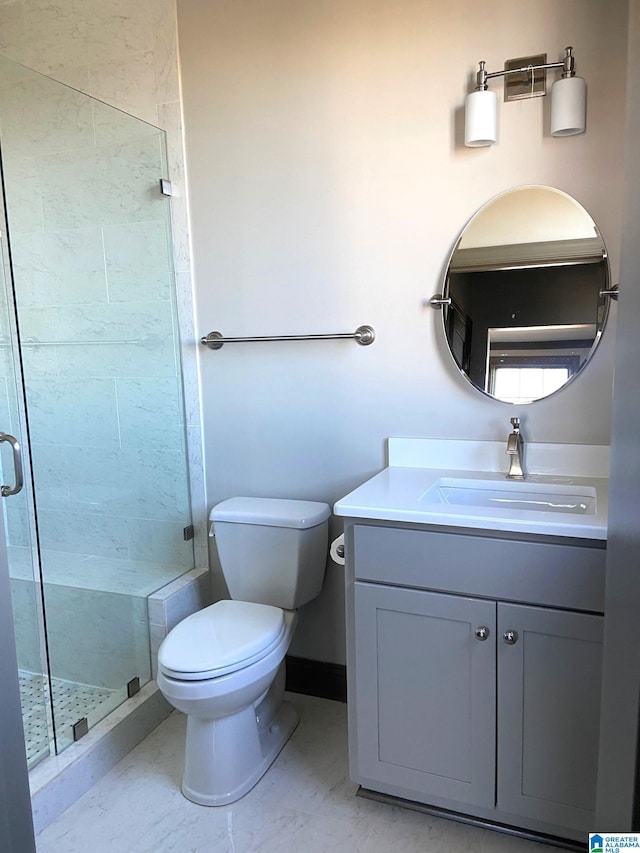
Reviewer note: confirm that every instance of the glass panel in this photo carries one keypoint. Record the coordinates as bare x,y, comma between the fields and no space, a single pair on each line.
19,530
91,255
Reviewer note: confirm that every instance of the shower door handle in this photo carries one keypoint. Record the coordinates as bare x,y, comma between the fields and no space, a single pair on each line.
5,491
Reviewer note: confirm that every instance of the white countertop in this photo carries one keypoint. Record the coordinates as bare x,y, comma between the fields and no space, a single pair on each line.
398,493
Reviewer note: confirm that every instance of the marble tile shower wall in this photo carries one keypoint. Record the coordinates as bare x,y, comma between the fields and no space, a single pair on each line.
124,54
90,249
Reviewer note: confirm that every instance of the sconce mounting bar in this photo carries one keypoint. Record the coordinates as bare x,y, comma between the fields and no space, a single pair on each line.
568,70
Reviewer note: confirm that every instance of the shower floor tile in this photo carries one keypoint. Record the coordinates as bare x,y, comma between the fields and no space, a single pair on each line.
71,702
34,716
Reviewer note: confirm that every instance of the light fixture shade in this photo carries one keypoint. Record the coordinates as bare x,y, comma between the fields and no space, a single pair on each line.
481,119
568,106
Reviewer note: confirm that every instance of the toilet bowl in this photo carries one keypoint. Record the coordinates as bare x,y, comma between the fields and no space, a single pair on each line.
224,666
237,722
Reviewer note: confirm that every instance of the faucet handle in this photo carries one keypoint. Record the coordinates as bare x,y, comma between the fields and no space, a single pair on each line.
515,423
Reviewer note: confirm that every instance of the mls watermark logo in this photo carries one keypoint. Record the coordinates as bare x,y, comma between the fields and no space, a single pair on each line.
620,842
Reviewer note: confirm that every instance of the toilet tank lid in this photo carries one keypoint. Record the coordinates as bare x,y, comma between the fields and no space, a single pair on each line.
272,512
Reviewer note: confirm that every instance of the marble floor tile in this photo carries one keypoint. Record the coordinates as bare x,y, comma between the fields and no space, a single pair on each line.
305,804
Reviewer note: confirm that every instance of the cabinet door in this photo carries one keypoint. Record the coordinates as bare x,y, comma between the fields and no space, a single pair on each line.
549,714
425,694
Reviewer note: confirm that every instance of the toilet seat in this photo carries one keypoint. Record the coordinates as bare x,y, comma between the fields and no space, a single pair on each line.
220,639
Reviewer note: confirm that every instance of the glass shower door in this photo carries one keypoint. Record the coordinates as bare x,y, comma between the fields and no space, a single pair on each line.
89,231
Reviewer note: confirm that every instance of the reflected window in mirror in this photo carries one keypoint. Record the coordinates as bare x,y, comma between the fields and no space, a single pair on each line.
525,384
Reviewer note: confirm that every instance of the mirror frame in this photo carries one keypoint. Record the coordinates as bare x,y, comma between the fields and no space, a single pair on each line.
443,300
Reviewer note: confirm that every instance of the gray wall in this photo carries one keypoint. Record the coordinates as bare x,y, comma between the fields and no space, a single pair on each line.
16,829
328,184
618,806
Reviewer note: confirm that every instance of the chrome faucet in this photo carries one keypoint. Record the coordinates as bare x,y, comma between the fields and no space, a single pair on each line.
515,449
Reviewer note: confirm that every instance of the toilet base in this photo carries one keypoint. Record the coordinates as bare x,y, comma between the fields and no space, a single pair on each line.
226,757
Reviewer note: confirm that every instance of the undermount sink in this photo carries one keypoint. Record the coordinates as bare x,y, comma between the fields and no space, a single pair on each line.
457,484
513,495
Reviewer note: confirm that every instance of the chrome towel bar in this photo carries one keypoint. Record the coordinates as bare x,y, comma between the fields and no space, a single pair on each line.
363,335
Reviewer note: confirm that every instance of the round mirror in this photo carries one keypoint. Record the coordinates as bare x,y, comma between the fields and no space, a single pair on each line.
523,308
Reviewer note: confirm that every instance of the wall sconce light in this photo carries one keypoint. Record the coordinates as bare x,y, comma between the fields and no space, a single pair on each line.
526,78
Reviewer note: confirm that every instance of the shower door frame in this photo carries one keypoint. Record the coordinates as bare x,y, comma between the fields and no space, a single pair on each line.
16,817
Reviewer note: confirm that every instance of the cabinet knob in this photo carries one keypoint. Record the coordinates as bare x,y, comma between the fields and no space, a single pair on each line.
482,632
510,637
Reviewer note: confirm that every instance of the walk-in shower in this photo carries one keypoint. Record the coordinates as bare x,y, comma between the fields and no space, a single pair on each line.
90,384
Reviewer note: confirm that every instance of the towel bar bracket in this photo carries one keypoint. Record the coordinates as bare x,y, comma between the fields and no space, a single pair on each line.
212,340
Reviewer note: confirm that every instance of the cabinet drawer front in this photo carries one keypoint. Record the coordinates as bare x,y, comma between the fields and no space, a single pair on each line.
425,693
570,576
549,714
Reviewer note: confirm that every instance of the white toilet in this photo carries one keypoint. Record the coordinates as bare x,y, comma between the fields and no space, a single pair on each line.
224,666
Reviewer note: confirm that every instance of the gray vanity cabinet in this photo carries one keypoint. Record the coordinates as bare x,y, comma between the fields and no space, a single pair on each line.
481,703
549,683
426,692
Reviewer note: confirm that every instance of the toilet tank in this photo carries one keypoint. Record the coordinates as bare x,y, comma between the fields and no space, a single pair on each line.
272,551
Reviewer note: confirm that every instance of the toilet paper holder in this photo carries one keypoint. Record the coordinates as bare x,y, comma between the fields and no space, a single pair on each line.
336,551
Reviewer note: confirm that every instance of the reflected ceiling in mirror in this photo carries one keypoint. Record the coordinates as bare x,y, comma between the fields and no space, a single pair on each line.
523,306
